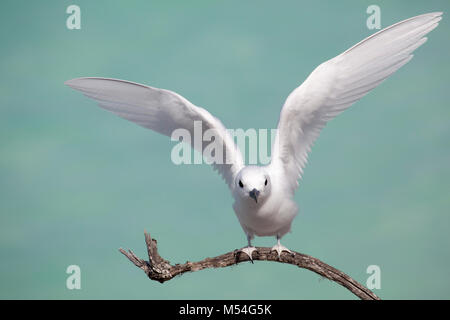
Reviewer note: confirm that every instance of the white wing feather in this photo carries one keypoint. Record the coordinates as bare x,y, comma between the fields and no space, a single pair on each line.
338,83
162,111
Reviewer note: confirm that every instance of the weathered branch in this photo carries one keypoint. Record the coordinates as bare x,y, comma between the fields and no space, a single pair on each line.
161,270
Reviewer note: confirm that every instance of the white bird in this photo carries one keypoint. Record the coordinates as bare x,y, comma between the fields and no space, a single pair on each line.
263,195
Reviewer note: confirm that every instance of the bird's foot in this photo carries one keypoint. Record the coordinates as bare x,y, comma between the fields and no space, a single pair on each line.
280,248
248,251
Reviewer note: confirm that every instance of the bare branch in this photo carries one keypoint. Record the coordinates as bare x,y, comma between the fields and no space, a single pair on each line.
161,270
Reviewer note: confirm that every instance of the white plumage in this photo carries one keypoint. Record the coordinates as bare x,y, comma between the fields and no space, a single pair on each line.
264,195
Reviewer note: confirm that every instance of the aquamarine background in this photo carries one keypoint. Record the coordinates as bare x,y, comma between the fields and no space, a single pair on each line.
77,182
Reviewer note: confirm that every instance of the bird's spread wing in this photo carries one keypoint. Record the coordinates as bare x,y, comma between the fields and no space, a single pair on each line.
162,111
338,83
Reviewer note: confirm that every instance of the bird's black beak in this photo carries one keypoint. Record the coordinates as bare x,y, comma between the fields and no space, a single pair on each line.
254,195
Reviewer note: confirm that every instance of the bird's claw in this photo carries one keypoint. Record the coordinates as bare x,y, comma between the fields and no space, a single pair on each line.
248,251
280,248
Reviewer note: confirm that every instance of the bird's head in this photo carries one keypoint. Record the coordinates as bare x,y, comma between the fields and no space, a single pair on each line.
253,184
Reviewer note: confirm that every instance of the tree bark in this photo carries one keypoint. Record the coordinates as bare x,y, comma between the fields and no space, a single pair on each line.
161,270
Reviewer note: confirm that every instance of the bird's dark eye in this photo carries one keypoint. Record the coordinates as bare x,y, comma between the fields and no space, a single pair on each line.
240,184
265,183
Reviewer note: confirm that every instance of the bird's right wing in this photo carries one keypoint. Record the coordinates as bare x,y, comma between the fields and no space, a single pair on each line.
338,83
163,111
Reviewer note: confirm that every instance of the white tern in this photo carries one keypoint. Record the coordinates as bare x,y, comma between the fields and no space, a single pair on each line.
263,195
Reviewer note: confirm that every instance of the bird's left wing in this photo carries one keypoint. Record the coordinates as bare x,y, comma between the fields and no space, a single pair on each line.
163,111
336,84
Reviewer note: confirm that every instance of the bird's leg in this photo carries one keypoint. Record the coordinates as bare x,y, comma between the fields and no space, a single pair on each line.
248,250
279,247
